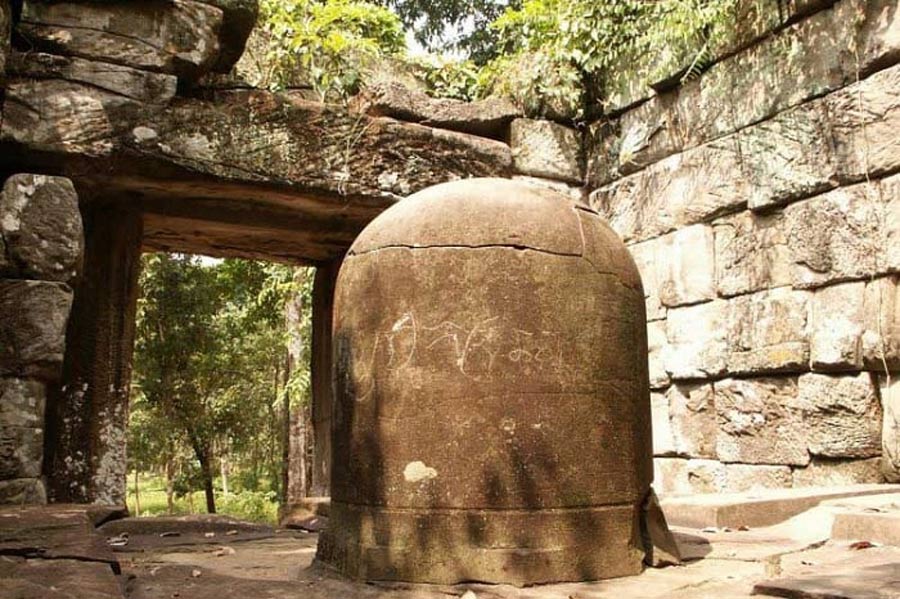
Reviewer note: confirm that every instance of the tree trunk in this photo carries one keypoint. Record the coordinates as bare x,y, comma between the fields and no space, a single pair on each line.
223,468
170,485
137,494
203,456
286,431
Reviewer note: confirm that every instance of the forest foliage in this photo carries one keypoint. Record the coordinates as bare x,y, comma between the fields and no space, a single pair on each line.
543,54
212,384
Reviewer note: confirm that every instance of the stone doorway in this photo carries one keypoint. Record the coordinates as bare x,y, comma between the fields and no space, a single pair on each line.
87,414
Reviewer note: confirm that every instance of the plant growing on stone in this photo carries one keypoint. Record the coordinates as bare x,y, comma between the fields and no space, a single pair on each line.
328,43
596,39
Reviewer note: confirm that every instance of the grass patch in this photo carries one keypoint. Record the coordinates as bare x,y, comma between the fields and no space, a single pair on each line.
254,506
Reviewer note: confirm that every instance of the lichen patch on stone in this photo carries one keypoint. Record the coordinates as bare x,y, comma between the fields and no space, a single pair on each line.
416,472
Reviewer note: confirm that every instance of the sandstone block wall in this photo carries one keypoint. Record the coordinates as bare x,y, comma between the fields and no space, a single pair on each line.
41,245
761,202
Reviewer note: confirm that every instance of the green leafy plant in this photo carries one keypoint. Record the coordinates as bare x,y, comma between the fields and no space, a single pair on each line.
255,506
450,78
600,38
328,44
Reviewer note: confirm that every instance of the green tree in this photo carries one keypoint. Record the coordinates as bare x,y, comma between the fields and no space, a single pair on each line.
209,355
176,353
461,25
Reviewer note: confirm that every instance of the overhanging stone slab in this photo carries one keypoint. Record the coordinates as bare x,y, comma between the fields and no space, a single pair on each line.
303,177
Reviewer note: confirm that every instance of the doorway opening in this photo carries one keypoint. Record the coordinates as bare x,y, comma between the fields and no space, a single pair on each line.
221,417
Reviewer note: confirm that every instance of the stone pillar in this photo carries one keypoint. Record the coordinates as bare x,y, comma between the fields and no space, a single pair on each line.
322,391
88,415
40,253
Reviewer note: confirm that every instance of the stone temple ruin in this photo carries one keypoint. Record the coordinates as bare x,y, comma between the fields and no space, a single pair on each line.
760,202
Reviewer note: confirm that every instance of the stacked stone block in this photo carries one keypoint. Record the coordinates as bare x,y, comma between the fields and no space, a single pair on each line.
761,203
107,65
40,254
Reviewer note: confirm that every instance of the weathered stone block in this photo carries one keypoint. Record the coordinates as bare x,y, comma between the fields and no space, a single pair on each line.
670,476
626,85
646,256
21,452
789,156
744,477
179,37
751,253
841,415
601,146
692,415
864,118
546,149
827,473
804,61
143,86
890,220
836,236
881,336
687,274
656,344
663,442
40,224
683,189
22,402
22,491
53,114
678,476
636,77
32,331
698,341
573,192
768,332
796,153
837,322
263,137
757,424
890,430
706,476
487,118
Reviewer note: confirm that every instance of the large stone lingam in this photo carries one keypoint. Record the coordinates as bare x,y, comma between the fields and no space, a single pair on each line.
492,416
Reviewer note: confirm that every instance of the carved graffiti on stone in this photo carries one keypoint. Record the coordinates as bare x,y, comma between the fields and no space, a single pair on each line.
474,348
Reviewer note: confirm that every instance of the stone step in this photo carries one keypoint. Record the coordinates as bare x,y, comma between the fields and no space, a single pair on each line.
873,518
758,508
